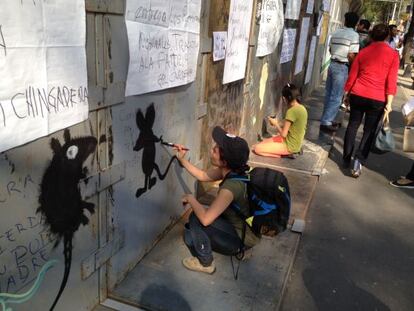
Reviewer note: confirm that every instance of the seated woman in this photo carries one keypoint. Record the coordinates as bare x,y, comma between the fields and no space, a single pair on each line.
292,132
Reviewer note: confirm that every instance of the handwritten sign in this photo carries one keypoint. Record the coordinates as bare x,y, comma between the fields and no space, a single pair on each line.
271,26
164,44
293,9
325,5
300,56
288,45
309,8
219,45
237,40
43,84
311,59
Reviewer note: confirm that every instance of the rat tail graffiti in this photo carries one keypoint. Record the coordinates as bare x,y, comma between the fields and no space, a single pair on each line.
67,252
157,169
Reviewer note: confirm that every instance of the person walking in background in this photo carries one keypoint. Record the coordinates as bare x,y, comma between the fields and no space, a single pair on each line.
363,32
343,46
394,40
369,91
292,132
406,182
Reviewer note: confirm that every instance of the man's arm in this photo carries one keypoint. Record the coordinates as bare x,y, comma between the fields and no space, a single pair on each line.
353,48
351,57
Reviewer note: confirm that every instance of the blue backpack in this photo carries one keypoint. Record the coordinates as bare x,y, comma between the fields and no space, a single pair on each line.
269,200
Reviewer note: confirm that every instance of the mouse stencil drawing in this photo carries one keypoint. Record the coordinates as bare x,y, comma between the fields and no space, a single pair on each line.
60,198
146,141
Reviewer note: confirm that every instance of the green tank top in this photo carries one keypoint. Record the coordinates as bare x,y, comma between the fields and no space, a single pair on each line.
239,190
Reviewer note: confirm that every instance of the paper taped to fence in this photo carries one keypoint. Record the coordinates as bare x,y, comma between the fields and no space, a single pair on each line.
219,45
293,9
311,60
300,55
288,45
43,84
271,27
163,38
237,40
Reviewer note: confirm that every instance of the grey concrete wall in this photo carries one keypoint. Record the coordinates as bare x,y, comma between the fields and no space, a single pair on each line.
124,227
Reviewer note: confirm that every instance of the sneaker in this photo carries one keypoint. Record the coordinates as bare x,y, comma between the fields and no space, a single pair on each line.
337,124
357,169
328,128
344,108
248,253
403,183
193,264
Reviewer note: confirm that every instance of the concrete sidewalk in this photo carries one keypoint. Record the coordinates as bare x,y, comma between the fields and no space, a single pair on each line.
357,252
160,282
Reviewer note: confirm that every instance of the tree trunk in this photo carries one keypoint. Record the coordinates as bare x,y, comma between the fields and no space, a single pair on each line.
408,41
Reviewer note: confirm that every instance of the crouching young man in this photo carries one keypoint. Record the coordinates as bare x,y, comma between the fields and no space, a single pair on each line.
218,227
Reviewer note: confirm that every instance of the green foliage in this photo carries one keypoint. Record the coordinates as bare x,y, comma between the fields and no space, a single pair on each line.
379,11
376,11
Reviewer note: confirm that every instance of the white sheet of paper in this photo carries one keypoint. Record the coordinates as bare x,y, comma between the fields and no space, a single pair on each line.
164,43
293,9
237,40
311,60
219,45
408,107
320,23
309,8
288,46
300,55
42,54
271,26
325,5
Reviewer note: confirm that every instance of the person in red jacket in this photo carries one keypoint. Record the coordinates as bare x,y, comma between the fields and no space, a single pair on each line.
369,90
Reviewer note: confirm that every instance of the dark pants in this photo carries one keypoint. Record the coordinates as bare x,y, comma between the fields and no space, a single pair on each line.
410,174
373,111
220,237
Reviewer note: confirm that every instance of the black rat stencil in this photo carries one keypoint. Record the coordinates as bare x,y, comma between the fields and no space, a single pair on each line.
60,198
146,141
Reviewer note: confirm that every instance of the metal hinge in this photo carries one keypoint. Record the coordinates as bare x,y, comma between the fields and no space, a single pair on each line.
98,258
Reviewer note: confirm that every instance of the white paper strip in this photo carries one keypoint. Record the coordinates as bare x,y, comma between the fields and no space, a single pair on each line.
219,45
320,22
237,40
288,46
300,55
311,60
325,5
164,43
293,9
271,26
43,84
309,8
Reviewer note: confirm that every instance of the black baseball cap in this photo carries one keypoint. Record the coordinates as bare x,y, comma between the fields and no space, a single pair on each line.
235,149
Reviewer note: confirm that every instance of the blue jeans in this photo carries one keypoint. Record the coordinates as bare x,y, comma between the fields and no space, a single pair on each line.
220,237
337,75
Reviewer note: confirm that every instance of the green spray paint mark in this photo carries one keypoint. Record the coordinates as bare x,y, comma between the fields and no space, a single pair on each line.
6,298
